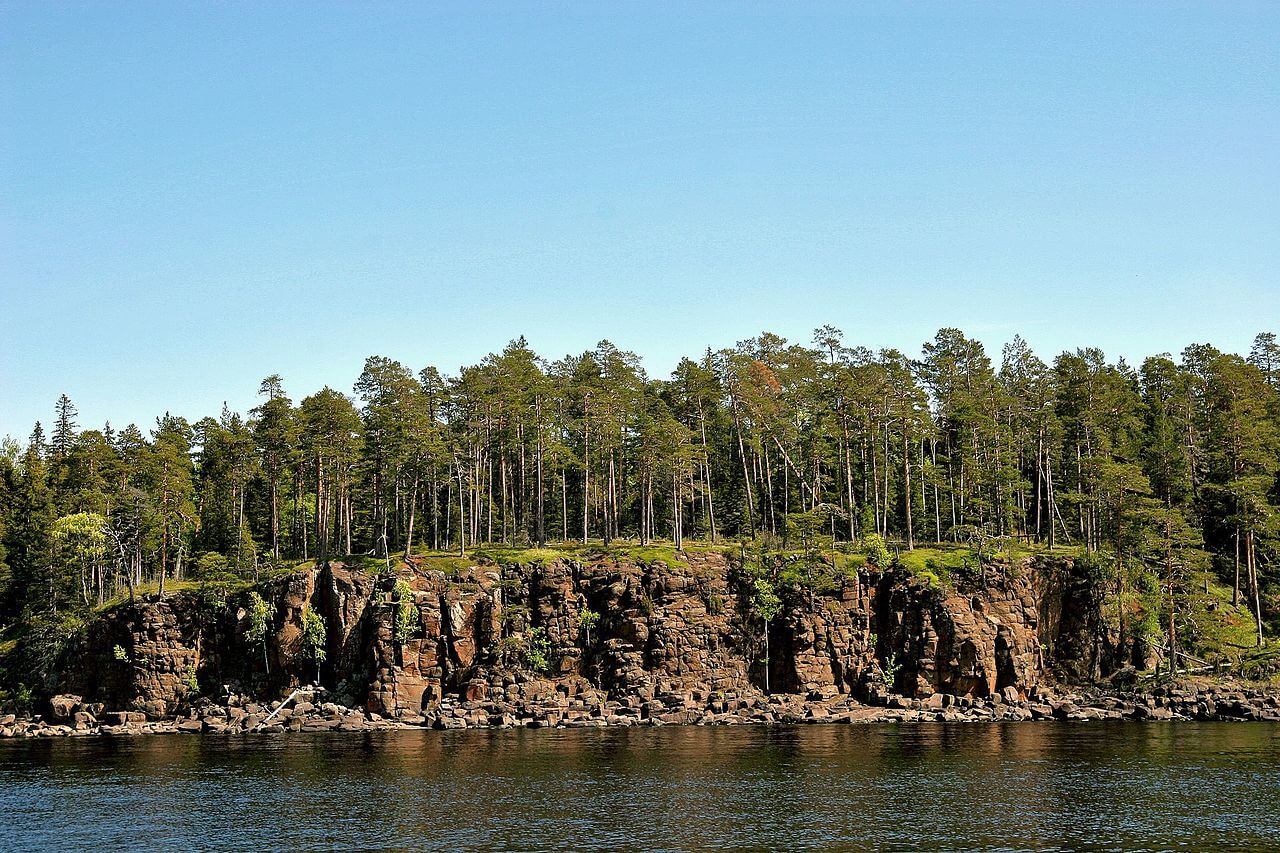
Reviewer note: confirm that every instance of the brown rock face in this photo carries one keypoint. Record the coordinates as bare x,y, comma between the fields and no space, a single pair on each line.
159,647
974,639
662,630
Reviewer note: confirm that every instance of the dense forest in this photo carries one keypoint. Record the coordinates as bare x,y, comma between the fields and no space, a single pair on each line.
1163,473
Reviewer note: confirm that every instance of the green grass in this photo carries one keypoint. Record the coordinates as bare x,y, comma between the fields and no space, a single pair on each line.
596,550
1218,632
450,564
936,566
171,587
189,585
848,564
651,554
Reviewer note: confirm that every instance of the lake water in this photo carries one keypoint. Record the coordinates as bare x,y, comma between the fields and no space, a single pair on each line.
938,786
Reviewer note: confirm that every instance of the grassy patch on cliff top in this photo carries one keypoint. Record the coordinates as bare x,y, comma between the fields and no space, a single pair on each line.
446,562
649,554
1218,632
227,583
451,563
937,563
150,588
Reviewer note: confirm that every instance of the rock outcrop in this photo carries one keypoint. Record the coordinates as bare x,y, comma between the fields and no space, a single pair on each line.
661,637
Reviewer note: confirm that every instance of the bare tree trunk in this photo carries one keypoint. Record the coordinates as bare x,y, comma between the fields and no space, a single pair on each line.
462,527
906,488
275,517
746,477
1251,555
1235,588
706,457
413,505
675,511
542,520
586,481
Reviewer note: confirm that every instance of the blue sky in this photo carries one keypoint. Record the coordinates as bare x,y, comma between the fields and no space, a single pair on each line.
193,196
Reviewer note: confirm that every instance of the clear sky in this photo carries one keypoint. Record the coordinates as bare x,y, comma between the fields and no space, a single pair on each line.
193,196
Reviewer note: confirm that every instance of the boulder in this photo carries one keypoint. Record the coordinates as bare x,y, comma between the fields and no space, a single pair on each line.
64,705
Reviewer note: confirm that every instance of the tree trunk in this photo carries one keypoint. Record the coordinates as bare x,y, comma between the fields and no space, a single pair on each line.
906,488
413,505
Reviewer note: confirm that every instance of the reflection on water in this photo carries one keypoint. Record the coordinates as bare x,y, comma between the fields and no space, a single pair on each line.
1027,785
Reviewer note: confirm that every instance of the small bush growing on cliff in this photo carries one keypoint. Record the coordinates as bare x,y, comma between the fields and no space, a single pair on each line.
259,615
587,620
765,605
314,637
876,552
120,654
191,682
407,616
531,651
539,651
889,671
20,701
933,574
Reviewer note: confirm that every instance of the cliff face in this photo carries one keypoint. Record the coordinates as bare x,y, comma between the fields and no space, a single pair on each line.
677,629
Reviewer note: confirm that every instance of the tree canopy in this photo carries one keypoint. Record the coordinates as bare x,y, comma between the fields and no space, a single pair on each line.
1167,466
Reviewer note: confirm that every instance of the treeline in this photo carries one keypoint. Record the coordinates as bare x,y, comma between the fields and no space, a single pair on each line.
1170,467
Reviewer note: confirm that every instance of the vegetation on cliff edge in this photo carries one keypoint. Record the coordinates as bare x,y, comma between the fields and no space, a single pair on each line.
1164,475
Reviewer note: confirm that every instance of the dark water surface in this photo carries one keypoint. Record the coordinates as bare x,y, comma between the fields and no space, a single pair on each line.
1023,785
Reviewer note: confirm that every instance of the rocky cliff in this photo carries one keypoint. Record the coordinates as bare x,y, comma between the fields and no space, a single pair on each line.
661,637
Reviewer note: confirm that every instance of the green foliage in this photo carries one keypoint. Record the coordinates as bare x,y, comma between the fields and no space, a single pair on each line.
19,701
587,620
407,619
941,567
81,535
529,651
765,603
875,551
539,650
210,564
889,671
120,654
813,576
45,639
523,557
847,565
191,682
215,580
450,565
655,553
259,619
314,638
1160,477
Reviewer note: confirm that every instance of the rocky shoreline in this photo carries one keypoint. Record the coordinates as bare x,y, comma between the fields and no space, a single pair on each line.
313,712
611,641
